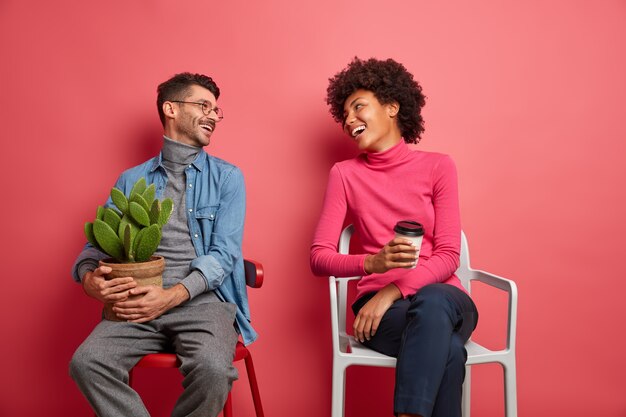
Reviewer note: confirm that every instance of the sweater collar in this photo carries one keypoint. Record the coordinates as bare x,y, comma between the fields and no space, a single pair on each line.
391,155
178,153
176,156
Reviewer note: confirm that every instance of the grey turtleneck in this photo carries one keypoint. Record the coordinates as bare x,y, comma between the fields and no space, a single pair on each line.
176,245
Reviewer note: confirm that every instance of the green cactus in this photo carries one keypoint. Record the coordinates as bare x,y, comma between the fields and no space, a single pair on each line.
167,207
139,187
148,243
149,194
112,218
130,231
119,199
139,214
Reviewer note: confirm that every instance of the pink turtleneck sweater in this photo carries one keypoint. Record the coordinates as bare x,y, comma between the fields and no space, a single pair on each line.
375,190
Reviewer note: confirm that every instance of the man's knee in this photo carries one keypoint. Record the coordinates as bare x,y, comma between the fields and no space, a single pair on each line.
89,363
81,364
214,370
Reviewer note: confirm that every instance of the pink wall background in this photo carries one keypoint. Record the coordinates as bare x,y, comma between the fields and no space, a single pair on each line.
528,98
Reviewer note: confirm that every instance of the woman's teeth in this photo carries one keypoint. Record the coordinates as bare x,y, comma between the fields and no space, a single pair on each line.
357,130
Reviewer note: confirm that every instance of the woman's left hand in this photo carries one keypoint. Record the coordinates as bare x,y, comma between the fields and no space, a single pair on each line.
369,317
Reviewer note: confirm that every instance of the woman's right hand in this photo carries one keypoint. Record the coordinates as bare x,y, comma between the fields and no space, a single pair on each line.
398,253
111,291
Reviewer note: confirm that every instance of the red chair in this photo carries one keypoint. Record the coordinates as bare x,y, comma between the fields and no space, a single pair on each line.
254,279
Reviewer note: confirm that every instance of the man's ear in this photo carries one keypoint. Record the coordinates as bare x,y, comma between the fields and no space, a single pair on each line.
393,108
169,110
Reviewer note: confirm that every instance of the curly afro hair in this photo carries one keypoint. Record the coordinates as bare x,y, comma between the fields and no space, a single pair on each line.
390,82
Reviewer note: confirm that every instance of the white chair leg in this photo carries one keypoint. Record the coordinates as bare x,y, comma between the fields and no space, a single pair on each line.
467,391
510,390
338,394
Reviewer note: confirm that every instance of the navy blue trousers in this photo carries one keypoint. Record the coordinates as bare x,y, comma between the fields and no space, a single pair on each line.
427,333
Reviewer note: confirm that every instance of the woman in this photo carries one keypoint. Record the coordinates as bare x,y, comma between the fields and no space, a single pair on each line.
413,309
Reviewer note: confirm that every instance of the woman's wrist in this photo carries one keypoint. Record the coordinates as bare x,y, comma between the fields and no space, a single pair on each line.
367,264
391,292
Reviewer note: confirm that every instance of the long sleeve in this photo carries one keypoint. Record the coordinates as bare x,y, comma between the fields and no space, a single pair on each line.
324,257
446,235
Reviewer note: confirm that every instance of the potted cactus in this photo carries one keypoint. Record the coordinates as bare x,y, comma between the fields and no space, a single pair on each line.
130,233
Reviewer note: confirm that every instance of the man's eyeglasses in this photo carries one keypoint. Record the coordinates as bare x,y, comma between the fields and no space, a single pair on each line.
206,107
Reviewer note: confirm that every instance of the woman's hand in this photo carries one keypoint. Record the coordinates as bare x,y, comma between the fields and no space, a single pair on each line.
369,317
398,253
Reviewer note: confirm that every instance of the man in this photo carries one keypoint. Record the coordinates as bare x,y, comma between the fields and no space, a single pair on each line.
203,292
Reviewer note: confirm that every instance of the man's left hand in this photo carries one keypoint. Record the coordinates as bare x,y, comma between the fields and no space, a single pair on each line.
154,302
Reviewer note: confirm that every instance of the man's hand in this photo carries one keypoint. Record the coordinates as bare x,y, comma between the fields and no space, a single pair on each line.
154,302
398,253
111,291
367,321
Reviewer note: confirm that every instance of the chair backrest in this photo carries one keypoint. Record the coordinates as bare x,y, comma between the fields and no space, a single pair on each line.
464,265
254,273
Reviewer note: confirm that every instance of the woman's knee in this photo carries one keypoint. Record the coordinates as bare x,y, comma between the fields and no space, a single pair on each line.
432,303
457,355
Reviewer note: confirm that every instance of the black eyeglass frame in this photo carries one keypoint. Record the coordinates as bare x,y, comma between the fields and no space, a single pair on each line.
206,107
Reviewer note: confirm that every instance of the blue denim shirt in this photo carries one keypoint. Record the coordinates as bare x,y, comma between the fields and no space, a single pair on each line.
216,194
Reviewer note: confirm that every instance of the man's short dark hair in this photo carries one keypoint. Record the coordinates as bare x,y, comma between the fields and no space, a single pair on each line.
389,81
177,88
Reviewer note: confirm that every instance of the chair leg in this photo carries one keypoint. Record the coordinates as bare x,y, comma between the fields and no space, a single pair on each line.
467,391
338,390
510,390
254,386
228,407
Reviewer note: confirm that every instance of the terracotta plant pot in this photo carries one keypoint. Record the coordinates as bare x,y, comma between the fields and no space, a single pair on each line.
144,273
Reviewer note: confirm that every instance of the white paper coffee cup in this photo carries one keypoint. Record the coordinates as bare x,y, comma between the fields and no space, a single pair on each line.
413,231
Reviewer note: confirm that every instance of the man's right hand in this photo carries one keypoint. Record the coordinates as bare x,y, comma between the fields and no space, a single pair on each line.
111,291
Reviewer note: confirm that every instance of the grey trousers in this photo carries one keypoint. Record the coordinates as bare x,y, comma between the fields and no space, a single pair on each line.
203,337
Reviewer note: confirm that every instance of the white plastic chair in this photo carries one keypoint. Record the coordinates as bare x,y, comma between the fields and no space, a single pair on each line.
347,351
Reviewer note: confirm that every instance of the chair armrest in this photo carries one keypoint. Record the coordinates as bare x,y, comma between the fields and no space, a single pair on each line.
343,279
504,285
493,280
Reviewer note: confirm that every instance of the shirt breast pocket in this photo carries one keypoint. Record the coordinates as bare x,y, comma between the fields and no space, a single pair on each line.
206,218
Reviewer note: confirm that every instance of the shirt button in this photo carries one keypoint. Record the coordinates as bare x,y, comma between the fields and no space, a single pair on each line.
190,210
190,186
211,216
196,235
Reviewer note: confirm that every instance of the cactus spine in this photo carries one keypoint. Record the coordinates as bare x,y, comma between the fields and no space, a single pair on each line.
130,231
